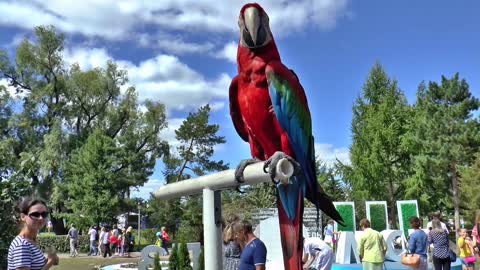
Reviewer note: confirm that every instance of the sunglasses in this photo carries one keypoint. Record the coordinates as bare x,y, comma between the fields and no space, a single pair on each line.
37,215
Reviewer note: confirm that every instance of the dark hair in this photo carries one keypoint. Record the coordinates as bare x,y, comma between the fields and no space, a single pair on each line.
365,223
415,222
26,203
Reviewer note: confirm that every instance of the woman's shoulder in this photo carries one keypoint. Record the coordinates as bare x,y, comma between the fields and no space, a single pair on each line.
19,241
20,244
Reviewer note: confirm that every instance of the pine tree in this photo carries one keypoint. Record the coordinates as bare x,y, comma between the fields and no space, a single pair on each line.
380,161
156,262
184,257
201,260
446,136
173,259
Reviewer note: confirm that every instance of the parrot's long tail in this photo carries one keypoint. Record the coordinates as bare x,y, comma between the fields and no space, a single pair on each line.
326,205
291,234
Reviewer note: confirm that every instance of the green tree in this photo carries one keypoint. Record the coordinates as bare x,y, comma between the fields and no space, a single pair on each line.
184,257
91,183
61,107
329,180
446,137
380,161
156,262
173,259
469,189
201,259
191,158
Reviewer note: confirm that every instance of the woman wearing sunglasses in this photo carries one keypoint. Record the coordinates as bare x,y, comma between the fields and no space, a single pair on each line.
24,253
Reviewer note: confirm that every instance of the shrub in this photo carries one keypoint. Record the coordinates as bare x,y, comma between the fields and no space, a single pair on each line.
184,262
201,260
62,245
173,259
156,262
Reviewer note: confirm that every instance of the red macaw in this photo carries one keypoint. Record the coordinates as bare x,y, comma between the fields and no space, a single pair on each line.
269,110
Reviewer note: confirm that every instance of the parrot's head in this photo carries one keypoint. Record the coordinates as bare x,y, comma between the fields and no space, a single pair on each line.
254,26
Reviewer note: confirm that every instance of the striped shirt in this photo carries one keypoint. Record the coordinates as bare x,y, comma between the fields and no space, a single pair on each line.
22,253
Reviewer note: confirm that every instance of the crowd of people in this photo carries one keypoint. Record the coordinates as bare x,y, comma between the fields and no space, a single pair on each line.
243,250
114,241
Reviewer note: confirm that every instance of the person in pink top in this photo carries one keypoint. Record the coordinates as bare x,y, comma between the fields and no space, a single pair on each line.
475,231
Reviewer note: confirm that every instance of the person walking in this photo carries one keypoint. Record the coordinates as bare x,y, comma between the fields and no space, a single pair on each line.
73,235
418,243
93,241
49,226
24,252
438,236
129,241
329,233
105,242
371,248
165,240
317,254
254,253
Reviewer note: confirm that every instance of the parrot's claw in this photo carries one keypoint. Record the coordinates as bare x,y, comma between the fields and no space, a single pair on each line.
241,167
271,165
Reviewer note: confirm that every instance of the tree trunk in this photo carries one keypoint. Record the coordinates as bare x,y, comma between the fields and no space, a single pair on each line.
391,202
456,203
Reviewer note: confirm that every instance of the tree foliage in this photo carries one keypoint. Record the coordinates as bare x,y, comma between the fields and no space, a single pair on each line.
184,262
173,259
445,138
45,130
380,159
192,157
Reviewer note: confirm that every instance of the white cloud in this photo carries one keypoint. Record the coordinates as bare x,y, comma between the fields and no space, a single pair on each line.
329,154
11,90
151,185
117,20
164,78
86,58
173,44
228,52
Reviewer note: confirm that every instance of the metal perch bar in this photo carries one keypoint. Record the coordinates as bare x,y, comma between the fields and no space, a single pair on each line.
210,186
253,174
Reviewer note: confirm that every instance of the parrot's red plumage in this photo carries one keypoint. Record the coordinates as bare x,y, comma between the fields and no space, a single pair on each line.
269,110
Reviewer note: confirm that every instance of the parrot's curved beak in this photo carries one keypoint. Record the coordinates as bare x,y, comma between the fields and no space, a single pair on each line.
254,34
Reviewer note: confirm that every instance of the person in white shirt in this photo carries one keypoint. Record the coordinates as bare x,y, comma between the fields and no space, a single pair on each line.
93,241
438,216
317,254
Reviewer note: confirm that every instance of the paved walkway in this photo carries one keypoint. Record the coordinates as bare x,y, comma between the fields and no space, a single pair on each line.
85,256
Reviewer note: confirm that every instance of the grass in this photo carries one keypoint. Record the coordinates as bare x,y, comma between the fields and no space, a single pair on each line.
89,263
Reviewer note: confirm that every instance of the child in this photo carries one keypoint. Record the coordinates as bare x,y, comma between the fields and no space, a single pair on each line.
159,240
465,244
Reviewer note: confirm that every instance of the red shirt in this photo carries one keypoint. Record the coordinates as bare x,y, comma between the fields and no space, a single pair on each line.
113,239
165,236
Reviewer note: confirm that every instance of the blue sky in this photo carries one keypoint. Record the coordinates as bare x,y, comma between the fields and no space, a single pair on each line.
183,52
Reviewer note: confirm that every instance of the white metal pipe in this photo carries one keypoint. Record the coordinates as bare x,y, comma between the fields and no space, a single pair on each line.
253,174
212,231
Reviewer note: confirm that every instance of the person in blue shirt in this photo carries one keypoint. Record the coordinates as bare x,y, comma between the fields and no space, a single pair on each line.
418,243
254,253
329,234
